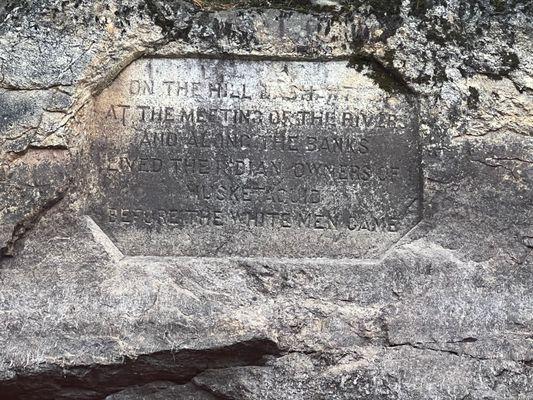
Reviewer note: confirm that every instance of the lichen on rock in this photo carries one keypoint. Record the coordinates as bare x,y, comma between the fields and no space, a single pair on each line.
444,313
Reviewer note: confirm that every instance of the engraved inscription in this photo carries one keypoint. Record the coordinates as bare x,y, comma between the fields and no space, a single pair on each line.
209,157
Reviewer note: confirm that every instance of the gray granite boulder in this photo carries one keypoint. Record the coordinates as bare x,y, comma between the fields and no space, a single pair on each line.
443,311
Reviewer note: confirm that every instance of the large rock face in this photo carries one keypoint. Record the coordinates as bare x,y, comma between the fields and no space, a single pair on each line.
409,277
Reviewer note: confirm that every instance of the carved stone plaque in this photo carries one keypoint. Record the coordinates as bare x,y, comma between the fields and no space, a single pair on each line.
203,157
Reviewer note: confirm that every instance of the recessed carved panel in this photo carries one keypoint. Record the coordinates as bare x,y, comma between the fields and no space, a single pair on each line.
206,157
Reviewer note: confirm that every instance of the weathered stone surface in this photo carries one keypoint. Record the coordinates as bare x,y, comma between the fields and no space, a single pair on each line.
162,391
252,158
444,313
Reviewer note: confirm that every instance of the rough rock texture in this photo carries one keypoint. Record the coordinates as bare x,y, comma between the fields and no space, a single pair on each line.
313,151
445,314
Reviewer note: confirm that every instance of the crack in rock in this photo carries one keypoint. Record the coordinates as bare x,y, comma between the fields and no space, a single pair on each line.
93,382
29,221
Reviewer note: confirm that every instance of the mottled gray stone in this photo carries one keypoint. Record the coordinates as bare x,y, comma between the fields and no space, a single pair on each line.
203,157
162,391
443,313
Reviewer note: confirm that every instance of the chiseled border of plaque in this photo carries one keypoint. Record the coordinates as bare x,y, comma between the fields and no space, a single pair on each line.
112,246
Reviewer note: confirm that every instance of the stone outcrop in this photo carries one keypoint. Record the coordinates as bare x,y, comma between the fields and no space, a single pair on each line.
444,313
